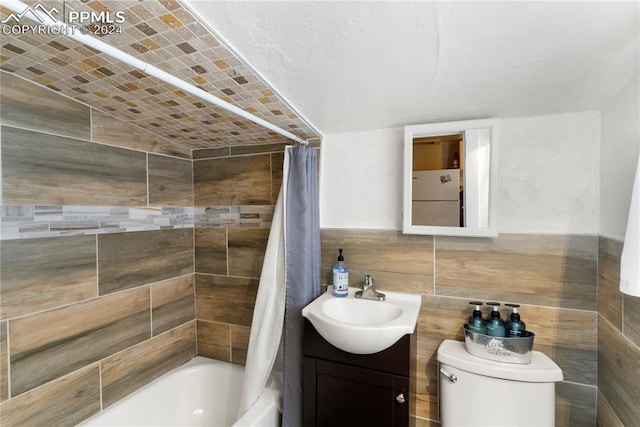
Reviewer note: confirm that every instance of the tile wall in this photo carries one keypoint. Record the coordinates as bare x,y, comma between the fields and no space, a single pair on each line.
98,292
230,241
552,277
107,224
618,343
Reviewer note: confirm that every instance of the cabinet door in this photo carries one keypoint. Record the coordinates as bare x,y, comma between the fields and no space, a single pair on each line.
351,396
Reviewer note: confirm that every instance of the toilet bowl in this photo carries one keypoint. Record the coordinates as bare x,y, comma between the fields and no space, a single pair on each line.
480,392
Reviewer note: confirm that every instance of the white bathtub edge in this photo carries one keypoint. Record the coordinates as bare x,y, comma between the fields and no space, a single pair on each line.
262,412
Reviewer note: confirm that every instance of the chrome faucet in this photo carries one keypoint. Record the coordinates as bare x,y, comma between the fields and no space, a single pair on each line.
369,290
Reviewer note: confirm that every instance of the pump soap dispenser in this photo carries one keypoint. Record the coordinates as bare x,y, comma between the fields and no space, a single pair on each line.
495,325
515,327
476,323
340,277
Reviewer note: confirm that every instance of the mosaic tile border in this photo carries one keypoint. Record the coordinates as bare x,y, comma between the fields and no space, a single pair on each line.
169,36
258,216
34,221
29,221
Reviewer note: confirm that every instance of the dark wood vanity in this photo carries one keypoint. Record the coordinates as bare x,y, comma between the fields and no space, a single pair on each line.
346,389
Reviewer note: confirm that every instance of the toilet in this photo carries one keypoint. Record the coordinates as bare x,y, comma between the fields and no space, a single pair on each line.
479,392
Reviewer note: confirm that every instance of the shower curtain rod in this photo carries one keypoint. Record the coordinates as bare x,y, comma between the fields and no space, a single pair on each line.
21,9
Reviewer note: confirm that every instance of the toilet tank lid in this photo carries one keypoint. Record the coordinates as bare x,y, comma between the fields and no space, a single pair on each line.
541,369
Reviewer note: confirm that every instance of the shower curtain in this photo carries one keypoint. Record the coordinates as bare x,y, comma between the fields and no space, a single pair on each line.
290,279
302,255
630,258
268,317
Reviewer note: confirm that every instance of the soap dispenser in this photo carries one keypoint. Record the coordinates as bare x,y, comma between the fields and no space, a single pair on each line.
515,327
476,323
495,325
340,277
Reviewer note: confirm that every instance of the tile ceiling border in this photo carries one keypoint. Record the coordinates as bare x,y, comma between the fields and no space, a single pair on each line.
247,64
165,34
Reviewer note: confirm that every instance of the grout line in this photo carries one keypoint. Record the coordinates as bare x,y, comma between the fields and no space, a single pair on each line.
193,188
193,254
234,276
597,350
230,345
150,311
622,322
75,138
523,305
8,353
147,176
91,124
238,155
97,268
580,384
271,178
88,299
100,379
434,265
226,230
624,337
195,306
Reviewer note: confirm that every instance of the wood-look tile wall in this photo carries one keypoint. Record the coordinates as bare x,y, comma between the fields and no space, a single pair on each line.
127,260
552,277
618,343
138,309
56,151
239,180
41,168
87,319
228,260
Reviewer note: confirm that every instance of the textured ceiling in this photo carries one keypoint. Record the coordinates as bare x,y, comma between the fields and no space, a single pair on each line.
363,65
166,35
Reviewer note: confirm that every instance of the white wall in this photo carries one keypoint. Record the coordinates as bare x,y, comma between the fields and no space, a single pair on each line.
549,174
549,169
361,180
619,154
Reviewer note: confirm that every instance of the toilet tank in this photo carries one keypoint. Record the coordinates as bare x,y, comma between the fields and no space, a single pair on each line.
480,392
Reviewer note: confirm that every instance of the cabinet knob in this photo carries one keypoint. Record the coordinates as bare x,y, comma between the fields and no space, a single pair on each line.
400,398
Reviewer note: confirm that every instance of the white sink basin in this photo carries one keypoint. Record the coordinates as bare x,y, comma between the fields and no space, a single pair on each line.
363,326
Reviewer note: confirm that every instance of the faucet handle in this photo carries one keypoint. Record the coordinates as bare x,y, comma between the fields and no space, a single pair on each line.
368,280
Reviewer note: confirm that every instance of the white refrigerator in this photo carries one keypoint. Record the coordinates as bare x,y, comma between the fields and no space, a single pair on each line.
436,197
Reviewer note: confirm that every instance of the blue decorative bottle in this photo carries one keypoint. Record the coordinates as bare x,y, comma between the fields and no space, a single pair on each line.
495,325
476,323
340,277
515,327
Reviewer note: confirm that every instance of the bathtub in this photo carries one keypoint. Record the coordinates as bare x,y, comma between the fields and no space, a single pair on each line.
202,392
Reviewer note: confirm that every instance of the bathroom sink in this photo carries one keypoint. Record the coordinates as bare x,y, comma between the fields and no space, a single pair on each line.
363,326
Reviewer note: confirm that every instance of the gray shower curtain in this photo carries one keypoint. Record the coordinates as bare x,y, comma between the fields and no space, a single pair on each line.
302,255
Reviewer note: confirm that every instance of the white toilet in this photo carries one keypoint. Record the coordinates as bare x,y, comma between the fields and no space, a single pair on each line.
480,392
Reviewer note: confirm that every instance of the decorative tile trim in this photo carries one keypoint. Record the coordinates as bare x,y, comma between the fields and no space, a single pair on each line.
33,221
258,216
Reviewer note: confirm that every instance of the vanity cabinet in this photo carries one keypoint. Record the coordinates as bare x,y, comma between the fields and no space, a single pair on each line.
345,389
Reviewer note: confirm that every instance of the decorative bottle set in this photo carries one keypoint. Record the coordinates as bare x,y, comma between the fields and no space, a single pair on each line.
493,338
494,326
